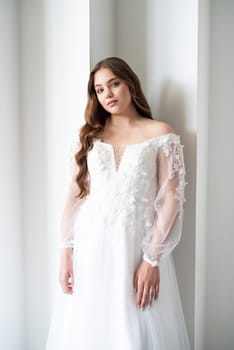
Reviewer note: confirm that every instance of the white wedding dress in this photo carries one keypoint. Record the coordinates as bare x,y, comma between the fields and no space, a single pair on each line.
134,210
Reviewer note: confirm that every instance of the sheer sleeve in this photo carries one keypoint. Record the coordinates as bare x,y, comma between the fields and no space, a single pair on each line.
71,206
168,204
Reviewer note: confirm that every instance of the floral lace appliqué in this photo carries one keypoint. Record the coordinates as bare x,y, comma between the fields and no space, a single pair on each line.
176,167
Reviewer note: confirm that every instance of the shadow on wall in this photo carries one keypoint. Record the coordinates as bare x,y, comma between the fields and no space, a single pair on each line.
171,108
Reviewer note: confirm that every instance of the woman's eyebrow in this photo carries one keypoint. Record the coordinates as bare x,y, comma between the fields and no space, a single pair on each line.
108,81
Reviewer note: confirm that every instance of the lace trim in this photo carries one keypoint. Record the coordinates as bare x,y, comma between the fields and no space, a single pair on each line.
176,167
153,262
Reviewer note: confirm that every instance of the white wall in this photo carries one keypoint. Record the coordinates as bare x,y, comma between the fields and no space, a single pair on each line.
102,30
11,248
172,89
219,312
131,35
32,87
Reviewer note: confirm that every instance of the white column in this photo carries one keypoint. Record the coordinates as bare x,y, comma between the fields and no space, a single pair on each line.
11,247
219,311
202,173
55,67
54,71
67,64
67,69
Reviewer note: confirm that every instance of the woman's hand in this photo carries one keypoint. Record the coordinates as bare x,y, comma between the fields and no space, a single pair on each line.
146,283
66,277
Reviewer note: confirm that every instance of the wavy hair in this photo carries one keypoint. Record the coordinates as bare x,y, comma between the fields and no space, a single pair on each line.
95,115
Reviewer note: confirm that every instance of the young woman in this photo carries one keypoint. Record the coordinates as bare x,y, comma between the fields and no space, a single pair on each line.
122,219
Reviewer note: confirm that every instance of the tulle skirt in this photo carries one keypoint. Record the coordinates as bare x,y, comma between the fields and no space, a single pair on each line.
101,314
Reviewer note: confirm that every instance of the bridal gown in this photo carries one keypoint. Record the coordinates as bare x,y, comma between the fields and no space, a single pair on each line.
134,211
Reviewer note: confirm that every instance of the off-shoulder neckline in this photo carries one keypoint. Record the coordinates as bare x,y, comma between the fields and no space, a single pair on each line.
173,135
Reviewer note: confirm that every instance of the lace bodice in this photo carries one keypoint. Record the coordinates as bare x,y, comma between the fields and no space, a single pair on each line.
141,183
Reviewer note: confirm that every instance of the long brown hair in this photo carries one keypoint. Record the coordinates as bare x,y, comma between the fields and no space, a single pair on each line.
96,115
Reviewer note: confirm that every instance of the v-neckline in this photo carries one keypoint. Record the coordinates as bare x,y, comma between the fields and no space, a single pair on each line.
127,146
111,146
117,165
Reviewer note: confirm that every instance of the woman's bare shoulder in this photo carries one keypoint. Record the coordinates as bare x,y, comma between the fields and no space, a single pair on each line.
154,128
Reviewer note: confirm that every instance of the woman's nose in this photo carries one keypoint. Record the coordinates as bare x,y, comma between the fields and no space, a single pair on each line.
109,93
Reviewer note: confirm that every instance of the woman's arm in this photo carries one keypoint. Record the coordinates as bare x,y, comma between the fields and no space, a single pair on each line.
70,210
165,233
68,216
168,203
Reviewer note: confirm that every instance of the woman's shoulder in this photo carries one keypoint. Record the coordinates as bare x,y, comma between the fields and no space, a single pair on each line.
155,128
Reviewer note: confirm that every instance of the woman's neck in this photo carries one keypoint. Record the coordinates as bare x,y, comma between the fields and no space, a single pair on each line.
122,121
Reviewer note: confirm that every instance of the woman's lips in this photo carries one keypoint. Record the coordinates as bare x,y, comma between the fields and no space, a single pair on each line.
112,103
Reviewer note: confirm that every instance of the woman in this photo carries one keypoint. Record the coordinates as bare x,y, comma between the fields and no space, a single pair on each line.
122,219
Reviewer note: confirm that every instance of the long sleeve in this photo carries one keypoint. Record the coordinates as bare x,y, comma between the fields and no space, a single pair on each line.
167,227
70,209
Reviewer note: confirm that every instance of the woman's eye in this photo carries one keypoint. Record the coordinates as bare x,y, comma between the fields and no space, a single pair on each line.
99,91
115,84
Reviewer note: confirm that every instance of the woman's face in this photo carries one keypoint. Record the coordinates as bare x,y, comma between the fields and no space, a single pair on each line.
112,93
